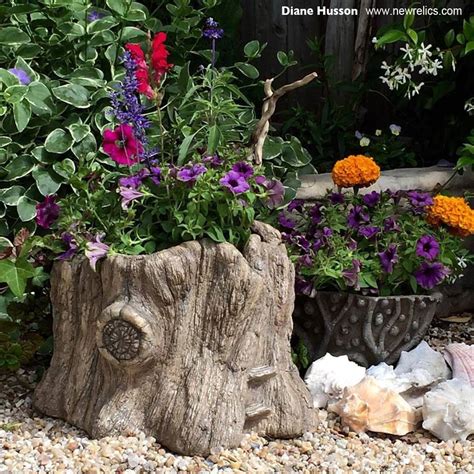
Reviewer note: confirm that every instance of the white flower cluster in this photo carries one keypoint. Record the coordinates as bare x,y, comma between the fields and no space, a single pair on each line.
462,264
416,59
469,106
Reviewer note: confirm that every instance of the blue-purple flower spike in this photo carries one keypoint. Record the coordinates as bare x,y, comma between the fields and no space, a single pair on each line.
127,108
212,31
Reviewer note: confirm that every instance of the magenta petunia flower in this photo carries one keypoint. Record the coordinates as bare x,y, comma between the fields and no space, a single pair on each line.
243,169
388,258
47,212
427,247
430,274
191,173
128,195
96,250
235,182
121,145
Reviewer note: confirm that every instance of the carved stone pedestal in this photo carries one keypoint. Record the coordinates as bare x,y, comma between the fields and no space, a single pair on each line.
189,345
368,329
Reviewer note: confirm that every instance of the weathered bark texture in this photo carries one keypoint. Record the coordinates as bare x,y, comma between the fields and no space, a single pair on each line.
190,345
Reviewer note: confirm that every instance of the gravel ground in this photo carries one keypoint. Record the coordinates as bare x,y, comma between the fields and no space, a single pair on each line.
33,443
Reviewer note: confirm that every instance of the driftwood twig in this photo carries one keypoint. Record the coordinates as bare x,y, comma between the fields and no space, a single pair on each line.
268,109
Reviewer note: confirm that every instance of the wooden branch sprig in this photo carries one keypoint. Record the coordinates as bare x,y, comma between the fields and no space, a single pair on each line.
268,109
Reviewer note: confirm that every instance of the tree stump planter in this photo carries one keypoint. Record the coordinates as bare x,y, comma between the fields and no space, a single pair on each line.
189,345
367,329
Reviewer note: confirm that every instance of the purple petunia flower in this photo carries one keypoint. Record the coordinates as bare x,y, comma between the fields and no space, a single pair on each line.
261,180
235,182
96,250
190,174
395,195
369,231
275,193
302,286
285,221
211,30
336,198
295,205
155,174
390,224
430,274
133,182
95,15
351,275
316,214
214,161
351,244
71,246
427,247
243,169
129,195
21,75
388,258
357,217
419,200
305,261
371,199
302,241
47,212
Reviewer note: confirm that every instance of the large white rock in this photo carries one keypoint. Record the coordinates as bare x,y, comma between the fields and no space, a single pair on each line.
329,376
448,410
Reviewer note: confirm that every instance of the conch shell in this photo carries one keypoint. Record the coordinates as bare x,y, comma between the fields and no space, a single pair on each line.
460,357
329,376
448,410
369,407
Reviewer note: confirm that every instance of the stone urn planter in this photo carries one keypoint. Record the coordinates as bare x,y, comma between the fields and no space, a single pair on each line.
367,329
190,345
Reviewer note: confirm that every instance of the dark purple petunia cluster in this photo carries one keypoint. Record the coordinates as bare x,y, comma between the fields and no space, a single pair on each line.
371,233
47,212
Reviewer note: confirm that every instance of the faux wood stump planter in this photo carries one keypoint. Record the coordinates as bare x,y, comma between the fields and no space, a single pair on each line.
367,329
190,345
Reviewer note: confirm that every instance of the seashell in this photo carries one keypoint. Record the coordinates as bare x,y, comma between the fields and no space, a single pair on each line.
369,407
416,373
423,366
327,377
460,357
448,411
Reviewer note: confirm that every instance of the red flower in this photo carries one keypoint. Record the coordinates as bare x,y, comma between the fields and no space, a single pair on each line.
159,56
121,145
141,73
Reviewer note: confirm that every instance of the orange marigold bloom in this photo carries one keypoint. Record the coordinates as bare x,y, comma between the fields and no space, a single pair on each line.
454,212
355,170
